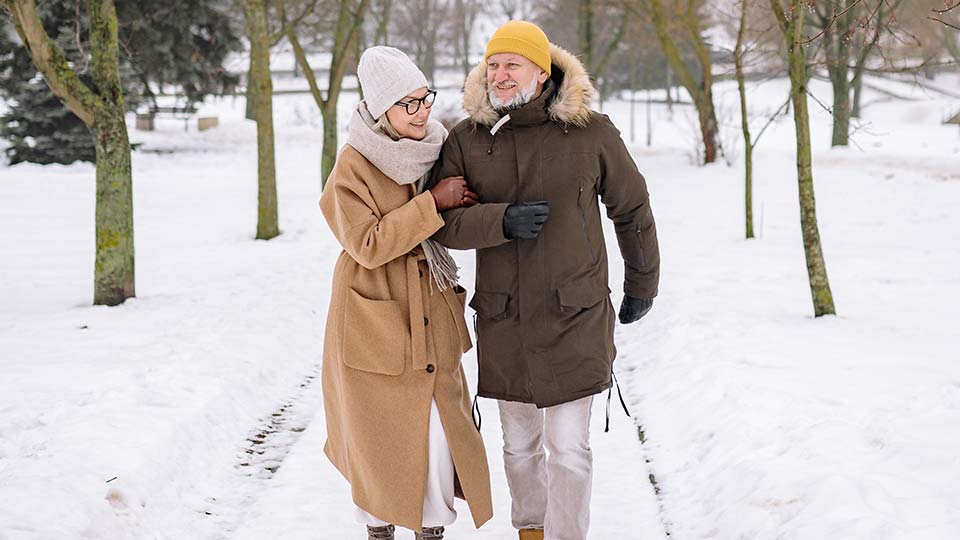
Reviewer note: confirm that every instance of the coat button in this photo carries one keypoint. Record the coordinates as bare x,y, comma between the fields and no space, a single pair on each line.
426,321
430,368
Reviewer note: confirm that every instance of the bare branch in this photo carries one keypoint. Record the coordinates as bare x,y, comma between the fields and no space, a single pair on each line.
51,62
946,8
945,23
831,22
782,109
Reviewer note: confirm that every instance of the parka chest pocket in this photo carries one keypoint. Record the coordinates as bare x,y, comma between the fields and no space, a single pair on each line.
374,336
490,305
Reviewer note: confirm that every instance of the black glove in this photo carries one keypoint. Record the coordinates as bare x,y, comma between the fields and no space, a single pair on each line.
632,309
524,220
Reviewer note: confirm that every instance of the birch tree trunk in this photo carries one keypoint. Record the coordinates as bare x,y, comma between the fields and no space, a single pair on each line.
262,89
792,26
101,109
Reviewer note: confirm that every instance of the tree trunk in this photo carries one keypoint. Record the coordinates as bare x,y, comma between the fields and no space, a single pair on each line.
382,35
328,155
837,28
816,267
738,53
248,111
709,128
267,222
700,92
857,93
585,34
114,265
669,89
841,103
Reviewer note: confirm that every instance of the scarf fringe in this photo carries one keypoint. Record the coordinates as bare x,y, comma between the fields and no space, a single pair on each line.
443,269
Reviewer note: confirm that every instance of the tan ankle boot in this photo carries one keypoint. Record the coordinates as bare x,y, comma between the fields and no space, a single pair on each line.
380,533
430,533
531,534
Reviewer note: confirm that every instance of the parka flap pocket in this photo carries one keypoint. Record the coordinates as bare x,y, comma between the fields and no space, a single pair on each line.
582,293
490,305
374,335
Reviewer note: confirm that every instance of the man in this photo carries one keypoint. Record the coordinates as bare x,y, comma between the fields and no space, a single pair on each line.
538,157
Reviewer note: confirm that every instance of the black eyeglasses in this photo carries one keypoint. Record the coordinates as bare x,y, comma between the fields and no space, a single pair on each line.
414,104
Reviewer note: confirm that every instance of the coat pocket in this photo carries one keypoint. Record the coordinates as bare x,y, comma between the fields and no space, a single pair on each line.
375,337
581,294
490,305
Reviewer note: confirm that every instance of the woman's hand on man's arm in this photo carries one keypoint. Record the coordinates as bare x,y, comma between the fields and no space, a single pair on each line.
453,192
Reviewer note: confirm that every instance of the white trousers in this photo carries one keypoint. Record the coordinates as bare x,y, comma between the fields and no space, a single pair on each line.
549,466
438,498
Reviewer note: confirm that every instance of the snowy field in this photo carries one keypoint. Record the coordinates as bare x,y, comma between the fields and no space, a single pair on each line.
192,411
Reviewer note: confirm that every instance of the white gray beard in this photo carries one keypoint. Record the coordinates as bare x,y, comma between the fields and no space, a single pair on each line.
522,97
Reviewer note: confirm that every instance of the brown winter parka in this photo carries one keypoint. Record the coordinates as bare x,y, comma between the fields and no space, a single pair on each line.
544,317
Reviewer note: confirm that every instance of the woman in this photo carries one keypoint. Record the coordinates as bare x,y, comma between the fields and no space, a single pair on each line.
399,426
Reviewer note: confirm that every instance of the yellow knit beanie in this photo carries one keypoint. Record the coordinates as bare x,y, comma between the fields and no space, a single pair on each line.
523,38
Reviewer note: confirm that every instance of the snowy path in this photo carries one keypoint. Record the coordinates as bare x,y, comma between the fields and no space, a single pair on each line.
308,498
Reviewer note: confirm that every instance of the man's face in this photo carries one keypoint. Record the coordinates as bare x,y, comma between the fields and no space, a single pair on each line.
513,80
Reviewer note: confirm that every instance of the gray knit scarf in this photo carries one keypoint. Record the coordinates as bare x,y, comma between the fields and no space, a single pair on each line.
406,161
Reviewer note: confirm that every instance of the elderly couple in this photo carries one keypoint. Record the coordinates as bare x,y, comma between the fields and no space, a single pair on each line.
519,182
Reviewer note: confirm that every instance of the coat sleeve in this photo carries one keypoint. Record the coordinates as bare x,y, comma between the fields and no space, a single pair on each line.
470,227
623,191
373,241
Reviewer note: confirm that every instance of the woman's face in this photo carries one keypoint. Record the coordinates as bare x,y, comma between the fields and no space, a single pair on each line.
410,126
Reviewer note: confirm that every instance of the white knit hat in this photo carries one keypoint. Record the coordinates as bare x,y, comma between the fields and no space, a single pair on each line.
387,75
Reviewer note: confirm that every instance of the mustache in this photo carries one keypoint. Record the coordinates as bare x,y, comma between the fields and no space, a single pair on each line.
505,85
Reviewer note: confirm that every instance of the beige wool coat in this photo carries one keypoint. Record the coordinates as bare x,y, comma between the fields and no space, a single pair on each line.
392,344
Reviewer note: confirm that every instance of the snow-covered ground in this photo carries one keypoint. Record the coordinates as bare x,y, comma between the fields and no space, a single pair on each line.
192,410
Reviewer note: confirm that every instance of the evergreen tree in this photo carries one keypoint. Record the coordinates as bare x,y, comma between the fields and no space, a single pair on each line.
178,46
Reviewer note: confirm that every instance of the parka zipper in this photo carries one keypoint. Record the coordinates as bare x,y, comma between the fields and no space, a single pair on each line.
643,259
583,223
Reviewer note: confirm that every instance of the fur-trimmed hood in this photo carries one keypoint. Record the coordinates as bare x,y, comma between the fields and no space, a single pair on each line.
570,105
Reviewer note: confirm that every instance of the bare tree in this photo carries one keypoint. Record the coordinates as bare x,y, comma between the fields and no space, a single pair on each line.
418,24
699,86
738,54
465,18
791,23
518,9
595,53
101,108
850,31
381,11
349,22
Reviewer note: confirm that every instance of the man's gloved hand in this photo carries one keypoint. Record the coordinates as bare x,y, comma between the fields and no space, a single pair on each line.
524,220
632,309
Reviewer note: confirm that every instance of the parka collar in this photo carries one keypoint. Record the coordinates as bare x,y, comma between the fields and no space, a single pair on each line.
569,103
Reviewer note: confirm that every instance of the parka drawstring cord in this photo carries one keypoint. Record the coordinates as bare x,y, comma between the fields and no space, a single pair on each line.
475,409
477,419
623,404
493,131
